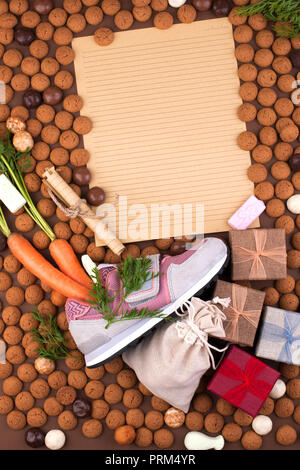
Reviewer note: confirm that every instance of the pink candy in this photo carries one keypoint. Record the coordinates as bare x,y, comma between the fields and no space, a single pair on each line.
247,213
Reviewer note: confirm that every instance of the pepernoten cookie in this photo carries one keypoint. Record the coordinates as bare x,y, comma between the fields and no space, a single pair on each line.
163,20
104,36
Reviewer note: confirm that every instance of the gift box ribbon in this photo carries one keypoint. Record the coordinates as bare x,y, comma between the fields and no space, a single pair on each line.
237,310
248,378
277,334
257,270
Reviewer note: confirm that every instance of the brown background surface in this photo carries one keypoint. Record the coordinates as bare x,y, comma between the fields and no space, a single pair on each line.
14,440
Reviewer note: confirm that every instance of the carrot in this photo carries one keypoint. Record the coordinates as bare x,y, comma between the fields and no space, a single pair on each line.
65,258
41,268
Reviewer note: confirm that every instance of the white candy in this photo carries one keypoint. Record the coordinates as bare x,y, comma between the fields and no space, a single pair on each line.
278,390
293,204
176,3
55,439
262,425
195,440
10,196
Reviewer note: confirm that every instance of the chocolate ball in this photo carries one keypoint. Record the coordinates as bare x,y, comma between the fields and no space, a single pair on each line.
3,243
24,36
221,8
295,58
32,99
52,95
96,196
177,247
81,176
35,437
81,408
42,7
202,5
294,162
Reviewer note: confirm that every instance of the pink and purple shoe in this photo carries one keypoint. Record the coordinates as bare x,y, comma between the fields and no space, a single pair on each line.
181,277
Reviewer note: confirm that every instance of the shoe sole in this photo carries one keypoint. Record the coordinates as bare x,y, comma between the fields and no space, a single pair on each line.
136,332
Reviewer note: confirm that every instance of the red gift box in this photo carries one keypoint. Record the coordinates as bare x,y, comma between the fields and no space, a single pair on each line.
243,381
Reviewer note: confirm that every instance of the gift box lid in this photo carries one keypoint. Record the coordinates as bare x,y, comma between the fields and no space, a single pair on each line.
279,337
243,380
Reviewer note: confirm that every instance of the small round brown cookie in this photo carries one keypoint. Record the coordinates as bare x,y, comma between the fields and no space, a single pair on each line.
50,134
286,222
247,140
262,154
293,388
69,139
284,407
214,423
154,420
247,72
123,19
296,415
158,5
94,389
16,420
115,419
289,302
163,20
26,373
284,107
235,18
243,34
20,112
281,46
296,116
5,370
114,366
45,113
289,133
99,409
57,379
62,36
286,435
59,156
257,173
93,15
30,19
49,66
174,418
20,82
284,189
79,243
285,286
232,432
257,22
110,7
15,296
77,379
285,83
275,208
247,112
67,420
126,378
11,315
39,388
64,120
266,96
79,157
11,264
12,58
15,354
264,38
44,31
248,91
159,404
72,6
96,253
63,79
296,180
251,441
66,395
92,428
144,390
144,437
11,386
242,418
266,78
38,49
289,371
163,438
142,14
41,150
34,294
6,404
282,123
295,42
282,65
263,57
186,13
266,116
194,421
57,17
76,23
36,417
5,74
5,281
135,418
6,35
202,402
297,286
40,82
283,151
244,53
113,394
82,125
296,244
132,398
12,335
280,170
224,407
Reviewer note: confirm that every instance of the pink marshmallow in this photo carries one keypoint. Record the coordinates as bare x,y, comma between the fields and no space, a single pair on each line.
247,213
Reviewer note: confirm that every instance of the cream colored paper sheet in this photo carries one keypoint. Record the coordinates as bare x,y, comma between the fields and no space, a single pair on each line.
164,109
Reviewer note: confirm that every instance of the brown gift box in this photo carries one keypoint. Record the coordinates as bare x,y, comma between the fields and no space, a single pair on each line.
243,312
258,254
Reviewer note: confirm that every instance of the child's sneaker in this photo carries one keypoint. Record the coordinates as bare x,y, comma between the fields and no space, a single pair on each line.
181,277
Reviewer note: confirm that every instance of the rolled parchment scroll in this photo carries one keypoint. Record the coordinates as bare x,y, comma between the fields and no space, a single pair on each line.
68,196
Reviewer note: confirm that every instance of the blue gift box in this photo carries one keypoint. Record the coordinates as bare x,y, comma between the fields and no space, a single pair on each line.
279,337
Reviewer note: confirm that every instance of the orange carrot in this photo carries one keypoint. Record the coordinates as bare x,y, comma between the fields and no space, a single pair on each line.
42,269
65,258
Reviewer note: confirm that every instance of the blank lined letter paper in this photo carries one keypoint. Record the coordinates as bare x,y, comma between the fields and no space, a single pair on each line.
165,125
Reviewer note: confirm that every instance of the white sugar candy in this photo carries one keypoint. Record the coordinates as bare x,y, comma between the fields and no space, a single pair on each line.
10,196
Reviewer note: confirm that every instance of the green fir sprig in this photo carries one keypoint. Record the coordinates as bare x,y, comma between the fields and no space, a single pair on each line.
133,273
52,344
286,12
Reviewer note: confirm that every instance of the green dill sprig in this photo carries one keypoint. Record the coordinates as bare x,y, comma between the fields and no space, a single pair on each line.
52,344
133,273
283,11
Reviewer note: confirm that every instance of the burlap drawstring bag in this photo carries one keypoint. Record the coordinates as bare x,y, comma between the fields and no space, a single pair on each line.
171,362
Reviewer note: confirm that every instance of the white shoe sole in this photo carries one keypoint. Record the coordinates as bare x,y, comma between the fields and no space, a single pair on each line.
122,340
